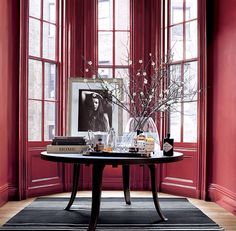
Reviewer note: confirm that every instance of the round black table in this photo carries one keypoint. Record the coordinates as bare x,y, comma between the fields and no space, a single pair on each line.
98,163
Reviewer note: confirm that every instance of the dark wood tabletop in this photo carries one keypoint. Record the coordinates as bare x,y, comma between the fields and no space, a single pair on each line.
110,160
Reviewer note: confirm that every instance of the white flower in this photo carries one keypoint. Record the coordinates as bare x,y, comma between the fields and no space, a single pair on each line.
153,63
85,80
134,94
145,81
140,61
132,101
94,76
141,93
144,73
130,62
86,70
138,74
90,62
150,54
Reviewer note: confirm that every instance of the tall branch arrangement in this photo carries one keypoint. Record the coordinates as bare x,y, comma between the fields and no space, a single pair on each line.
148,88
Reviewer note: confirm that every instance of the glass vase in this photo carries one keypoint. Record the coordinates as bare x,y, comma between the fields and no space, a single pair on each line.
145,125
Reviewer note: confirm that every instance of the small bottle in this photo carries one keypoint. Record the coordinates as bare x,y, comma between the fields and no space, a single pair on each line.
140,142
99,145
111,140
168,146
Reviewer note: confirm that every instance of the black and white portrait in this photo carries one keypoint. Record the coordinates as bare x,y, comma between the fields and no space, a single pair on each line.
95,111
89,107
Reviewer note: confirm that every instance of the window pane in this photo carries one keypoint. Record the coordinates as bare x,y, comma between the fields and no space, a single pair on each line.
176,11
105,14
190,109
35,8
105,72
49,41
50,81
122,14
123,73
177,42
191,39
190,76
34,120
105,48
49,120
191,9
49,10
34,37
175,122
35,79
190,122
175,115
122,48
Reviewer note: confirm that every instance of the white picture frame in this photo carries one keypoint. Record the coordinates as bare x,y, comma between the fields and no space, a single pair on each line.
76,107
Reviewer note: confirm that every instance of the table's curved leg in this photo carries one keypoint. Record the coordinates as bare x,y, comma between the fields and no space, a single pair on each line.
96,195
74,186
126,188
154,192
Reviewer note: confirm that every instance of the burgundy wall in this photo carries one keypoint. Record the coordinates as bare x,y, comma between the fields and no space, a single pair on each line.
222,103
9,72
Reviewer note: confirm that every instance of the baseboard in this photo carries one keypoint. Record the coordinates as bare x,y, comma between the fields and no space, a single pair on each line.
3,194
180,190
223,197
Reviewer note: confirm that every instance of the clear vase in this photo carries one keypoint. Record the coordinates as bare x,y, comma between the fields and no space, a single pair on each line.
144,124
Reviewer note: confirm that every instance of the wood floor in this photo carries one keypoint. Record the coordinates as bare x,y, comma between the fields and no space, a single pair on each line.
212,210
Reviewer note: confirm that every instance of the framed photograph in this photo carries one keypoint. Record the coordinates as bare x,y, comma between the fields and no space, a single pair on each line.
89,107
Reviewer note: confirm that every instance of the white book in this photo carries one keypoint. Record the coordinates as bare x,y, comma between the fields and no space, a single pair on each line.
66,148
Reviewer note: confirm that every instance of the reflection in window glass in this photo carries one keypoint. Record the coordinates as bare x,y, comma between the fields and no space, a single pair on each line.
191,39
105,16
176,11
122,14
50,81
105,72
191,9
35,8
105,48
49,10
49,41
34,120
177,42
34,37
50,120
34,79
122,46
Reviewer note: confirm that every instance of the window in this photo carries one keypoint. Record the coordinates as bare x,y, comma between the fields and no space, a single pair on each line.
42,69
181,39
113,37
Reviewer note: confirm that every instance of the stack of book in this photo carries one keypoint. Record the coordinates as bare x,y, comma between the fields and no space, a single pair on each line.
67,144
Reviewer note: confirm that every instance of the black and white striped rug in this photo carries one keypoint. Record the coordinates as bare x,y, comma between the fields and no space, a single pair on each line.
49,214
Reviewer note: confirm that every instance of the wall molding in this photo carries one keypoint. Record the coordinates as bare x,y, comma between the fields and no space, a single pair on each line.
223,197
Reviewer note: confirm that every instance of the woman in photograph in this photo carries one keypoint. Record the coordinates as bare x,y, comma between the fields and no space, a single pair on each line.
98,119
